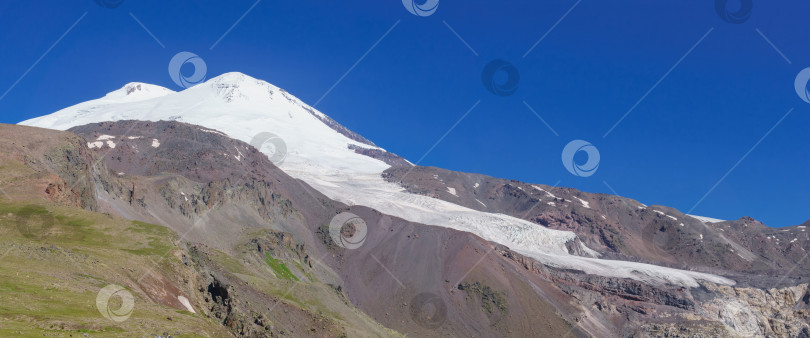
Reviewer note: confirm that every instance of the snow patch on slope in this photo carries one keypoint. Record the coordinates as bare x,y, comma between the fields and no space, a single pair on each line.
183,300
706,219
547,193
585,203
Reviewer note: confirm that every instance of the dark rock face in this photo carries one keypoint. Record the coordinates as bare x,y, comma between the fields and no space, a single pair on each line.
219,295
71,162
244,310
388,158
337,126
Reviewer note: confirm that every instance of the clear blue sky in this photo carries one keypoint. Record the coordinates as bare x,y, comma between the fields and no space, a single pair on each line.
587,72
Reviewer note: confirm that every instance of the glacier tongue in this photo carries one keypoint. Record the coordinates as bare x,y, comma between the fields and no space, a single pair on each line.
543,244
243,107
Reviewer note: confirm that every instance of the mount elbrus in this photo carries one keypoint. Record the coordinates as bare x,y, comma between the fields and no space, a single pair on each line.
244,243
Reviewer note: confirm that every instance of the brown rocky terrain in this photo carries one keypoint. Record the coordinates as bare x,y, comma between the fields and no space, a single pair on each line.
167,266
254,254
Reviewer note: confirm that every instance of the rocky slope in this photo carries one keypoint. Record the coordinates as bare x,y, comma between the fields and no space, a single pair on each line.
622,228
58,252
255,255
228,252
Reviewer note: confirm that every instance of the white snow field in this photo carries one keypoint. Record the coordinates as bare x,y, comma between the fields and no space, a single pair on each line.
242,107
707,219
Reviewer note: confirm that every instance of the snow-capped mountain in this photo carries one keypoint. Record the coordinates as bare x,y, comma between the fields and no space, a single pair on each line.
325,155
233,103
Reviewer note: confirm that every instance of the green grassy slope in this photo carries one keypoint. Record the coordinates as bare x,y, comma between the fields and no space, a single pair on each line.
55,260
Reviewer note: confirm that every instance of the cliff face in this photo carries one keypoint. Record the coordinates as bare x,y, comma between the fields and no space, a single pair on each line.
639,309
778,312
58,164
